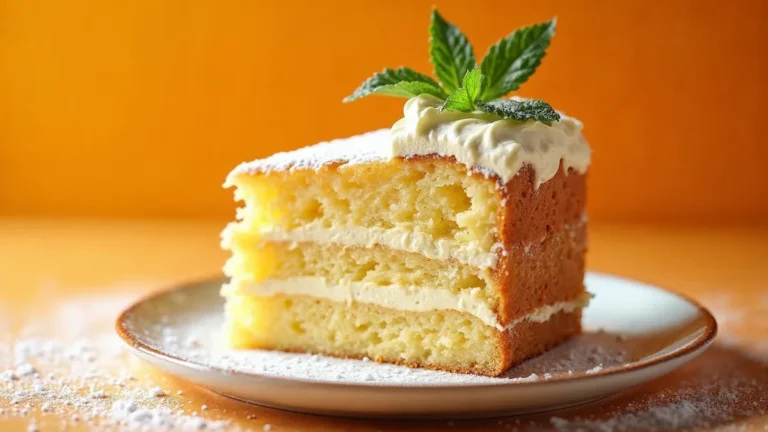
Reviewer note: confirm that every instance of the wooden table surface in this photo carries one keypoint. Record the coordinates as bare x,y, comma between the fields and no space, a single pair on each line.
46,263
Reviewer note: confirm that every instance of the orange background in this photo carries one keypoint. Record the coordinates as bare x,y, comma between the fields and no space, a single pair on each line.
139,108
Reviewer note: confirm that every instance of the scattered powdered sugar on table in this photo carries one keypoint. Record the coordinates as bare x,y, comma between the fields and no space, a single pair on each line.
727,383
734,320
706,399
81,376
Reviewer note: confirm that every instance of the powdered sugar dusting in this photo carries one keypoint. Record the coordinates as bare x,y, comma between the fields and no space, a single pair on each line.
327,369
729,383
81,376
367,147
595,369
374,146
736,319
707,397
196,338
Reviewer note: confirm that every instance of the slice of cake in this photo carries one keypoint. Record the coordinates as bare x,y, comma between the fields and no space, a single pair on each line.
453,241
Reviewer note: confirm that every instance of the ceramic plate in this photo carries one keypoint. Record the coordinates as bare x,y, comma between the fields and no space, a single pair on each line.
634,332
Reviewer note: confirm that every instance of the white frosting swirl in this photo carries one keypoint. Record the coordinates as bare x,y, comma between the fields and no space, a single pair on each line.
486,142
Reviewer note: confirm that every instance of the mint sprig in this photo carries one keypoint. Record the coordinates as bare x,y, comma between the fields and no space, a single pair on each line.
465,98
463,85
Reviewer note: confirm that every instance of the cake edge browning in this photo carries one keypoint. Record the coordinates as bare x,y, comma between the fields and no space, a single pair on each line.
527,217
532,224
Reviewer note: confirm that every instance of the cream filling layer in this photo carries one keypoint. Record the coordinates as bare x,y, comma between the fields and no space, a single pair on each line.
402,298
395,238
481,140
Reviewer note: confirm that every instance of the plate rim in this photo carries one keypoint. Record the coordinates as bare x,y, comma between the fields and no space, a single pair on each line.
697,345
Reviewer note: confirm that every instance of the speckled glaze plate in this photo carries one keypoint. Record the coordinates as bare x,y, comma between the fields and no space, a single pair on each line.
634,332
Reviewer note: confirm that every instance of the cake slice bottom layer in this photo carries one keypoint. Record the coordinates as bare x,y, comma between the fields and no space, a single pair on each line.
442,339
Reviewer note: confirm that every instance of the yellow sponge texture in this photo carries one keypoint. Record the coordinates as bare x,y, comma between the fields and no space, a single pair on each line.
444,339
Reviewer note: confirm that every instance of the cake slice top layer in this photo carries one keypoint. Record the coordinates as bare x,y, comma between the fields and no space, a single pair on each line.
483,142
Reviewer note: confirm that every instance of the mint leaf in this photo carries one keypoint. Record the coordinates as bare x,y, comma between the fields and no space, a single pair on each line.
465,98
513,59
521,110
458,101
407,89
402,82
473,83
449,51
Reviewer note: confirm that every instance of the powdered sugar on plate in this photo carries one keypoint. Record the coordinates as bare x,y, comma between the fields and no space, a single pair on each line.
197,338
573,357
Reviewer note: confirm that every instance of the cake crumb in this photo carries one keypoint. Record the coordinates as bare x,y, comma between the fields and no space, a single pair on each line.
267,427
595,369
156,392
195,423
26,369
530,378
558,422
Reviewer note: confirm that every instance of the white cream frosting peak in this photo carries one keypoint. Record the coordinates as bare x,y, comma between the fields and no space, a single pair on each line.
486,142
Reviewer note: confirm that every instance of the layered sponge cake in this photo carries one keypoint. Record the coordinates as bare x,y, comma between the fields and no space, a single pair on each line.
451,241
